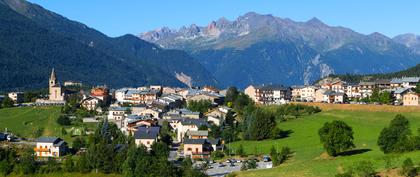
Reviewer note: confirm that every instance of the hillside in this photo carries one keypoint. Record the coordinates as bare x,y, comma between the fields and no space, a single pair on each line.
263,49
309,158
34,40
354,78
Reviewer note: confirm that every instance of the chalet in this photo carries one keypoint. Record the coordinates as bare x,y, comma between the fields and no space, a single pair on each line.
146,136
411,99
197,148
50,147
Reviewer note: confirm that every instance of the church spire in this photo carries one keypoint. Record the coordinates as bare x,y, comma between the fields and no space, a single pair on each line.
53,78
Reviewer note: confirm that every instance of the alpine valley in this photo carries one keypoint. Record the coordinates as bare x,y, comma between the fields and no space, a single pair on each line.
263,49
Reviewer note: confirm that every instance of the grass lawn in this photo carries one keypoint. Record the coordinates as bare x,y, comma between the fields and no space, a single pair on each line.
309,158
26,121
69,175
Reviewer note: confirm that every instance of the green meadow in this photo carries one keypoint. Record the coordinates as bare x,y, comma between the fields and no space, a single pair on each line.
29,122
309,158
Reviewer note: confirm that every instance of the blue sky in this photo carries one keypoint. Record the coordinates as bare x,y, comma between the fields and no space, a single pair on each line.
116,18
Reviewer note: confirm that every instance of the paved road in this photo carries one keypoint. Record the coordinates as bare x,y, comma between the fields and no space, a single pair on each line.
218,171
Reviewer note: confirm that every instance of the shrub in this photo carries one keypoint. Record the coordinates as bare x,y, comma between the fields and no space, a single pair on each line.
408,168
396,137
63,120
336,137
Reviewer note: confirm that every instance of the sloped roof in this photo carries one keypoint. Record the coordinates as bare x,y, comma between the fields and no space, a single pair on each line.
147,133
198,133
195,141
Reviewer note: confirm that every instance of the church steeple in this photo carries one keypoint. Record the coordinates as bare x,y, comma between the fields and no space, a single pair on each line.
53,78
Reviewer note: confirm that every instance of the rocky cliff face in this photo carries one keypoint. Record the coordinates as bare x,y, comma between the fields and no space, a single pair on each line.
257,49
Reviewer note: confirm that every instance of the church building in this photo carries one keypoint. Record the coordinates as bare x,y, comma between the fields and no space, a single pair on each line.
56,90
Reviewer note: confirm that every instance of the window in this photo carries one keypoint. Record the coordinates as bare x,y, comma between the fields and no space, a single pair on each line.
148,142
189,149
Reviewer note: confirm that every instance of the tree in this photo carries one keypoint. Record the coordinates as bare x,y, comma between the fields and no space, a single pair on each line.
231,94
395,137
68,164
274,156
215,131
78,143
7,102
408,168
336,137
64,120
261,125
27,164
5,168
418,87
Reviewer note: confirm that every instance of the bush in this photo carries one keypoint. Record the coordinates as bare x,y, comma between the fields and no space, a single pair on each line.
249,164
396,137
336,137
64,120
217,154
279,158
408,168
240,151
364,169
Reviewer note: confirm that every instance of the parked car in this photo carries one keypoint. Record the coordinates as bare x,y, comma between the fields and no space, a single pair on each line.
266,158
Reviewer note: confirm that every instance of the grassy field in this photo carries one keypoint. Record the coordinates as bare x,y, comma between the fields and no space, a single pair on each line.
309,158
26,121
69,175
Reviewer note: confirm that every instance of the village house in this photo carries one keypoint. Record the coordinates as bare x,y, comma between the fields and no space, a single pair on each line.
153,113
214,98
334,97
197,148
210,89
116,113
411,99
352,90
366,89
217,116
296,93
102,93
91,103
406,82
50,147
269,94
146,136
17,97
167,102
182,126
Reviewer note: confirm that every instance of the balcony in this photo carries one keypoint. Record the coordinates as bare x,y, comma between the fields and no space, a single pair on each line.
42,150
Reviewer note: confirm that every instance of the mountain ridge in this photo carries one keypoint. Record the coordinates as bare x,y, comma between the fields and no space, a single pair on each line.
311,49
121,61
